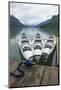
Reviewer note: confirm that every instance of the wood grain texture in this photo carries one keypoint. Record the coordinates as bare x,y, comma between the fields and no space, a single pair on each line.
36,75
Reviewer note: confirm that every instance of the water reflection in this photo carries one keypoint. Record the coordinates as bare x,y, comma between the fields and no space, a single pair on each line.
31,32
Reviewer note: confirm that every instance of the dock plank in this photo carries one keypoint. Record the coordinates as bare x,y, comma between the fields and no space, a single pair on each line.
53,76
58,51
50,76
36,75
13,65
45,77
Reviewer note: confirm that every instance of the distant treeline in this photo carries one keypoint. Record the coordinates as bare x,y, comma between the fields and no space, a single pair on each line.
53,25
15,26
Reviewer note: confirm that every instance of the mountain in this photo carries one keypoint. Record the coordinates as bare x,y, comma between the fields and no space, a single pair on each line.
52,25
53,21
15,26
43,23
14,22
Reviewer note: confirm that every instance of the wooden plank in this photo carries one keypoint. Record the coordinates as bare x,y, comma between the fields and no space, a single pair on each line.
50,76
58,51
34,76
45,77
13,65
12,81
53,77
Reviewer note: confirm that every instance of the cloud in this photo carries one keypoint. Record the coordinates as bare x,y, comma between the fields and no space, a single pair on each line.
32,14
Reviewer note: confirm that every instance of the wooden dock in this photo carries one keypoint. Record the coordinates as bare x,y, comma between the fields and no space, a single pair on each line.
58,51
36,75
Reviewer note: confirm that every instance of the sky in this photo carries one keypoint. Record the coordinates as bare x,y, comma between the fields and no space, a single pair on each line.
32,14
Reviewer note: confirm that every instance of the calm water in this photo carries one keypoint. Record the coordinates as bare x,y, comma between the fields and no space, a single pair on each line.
31,32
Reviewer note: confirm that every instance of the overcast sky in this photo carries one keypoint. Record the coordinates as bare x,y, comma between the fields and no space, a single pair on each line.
32,14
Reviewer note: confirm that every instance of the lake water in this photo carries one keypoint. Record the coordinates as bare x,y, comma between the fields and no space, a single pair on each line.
13,44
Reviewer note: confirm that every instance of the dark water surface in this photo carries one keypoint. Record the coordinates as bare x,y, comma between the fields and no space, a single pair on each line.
15,36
